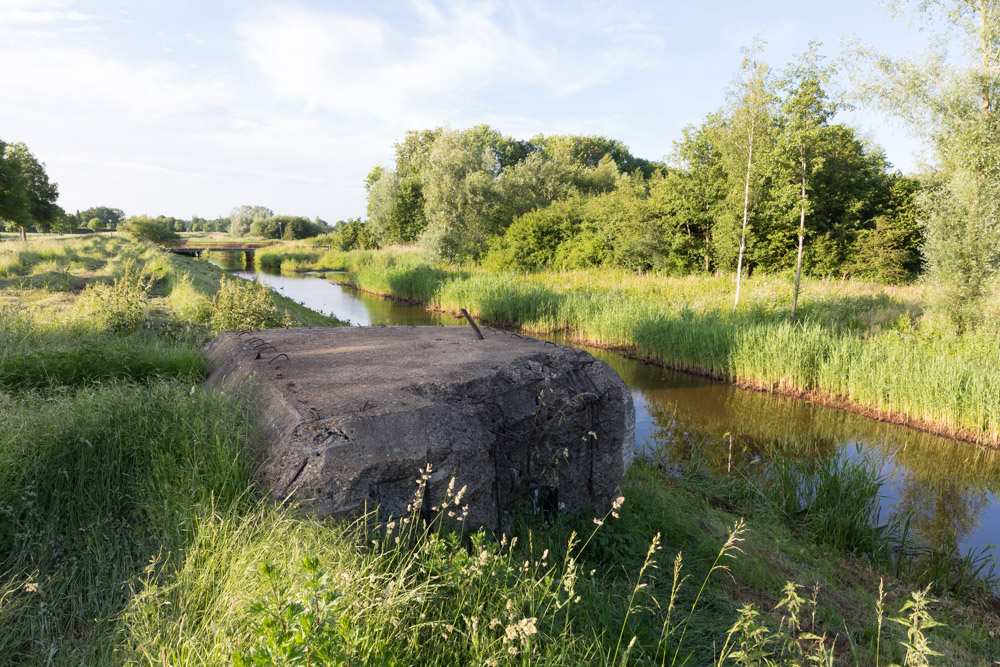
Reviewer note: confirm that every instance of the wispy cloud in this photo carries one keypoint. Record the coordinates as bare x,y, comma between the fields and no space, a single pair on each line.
13,12
425,67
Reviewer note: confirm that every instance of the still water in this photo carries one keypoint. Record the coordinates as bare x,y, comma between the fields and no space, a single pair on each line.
950,487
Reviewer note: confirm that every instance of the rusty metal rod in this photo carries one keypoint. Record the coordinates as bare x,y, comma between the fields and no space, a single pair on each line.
473,324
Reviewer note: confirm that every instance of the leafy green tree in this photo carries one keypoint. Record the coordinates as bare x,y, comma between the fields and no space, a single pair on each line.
953,106
154,230
461,195
533,240
752,130
588,151
354,234
26,195
880,253
109,217
241,218
700,182
294,227
63,223
288,227
807,110
532,183
13,191
396,207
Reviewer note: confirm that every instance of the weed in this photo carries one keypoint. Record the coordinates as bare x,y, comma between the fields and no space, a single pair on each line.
245,304
120,306
917,622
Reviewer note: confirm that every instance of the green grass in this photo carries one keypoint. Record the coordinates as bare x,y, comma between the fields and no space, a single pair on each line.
868,346
131,532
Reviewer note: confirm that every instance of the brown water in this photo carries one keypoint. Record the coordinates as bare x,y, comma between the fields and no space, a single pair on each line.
951,487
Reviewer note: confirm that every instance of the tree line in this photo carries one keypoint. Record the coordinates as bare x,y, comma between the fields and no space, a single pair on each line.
574,201
28,204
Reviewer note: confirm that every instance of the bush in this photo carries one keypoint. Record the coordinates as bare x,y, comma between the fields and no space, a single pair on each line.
144,228
120,306
531,242
244,304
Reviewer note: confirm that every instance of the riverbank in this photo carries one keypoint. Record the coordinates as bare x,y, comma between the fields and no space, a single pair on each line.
865,348
131,530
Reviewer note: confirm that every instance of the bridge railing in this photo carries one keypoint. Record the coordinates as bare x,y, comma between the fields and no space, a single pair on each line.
223,246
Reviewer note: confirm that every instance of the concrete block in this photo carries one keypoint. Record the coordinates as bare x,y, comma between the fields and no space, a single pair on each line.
352,415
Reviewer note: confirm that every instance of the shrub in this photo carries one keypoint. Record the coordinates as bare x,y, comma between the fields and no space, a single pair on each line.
530,243
120,306
144,228
244,304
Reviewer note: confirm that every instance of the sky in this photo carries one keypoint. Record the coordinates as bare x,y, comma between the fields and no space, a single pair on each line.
191,107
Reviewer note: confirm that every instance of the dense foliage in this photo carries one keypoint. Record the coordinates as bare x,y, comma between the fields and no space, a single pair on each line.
149,229
952,104
572,201
26,195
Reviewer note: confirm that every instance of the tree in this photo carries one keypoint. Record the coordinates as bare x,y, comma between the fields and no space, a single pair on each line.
588,152
806,111
353,234
110,217
953,106
750,130
532,183
242,218
396,206
26,195
154,230
64,223
13,190
461,194
701,180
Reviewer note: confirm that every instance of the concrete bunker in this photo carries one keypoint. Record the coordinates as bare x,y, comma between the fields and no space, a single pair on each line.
352,415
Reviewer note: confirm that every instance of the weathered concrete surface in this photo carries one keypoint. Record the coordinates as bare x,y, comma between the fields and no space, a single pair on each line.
352,414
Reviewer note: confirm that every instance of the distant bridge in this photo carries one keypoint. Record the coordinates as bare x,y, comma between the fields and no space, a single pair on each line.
196,248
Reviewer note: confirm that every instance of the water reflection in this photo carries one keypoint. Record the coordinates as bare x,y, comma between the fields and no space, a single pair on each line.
950,487
358,308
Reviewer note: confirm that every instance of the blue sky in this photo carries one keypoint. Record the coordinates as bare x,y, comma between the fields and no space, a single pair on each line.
190,108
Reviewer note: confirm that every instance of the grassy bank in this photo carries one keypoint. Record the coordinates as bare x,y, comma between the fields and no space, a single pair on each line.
863,347
131,531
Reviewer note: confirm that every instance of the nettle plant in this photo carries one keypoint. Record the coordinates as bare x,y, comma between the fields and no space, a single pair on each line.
301,631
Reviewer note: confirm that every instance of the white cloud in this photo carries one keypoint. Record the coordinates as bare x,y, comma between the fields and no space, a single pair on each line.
418,71
38,12
61,77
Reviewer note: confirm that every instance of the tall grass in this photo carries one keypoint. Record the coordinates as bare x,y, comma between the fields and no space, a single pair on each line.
95,487
836,500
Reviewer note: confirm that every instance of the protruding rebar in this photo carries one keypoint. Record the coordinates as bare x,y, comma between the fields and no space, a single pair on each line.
473,324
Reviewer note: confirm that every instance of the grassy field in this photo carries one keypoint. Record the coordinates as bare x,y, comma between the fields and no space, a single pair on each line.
866,347
131,531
